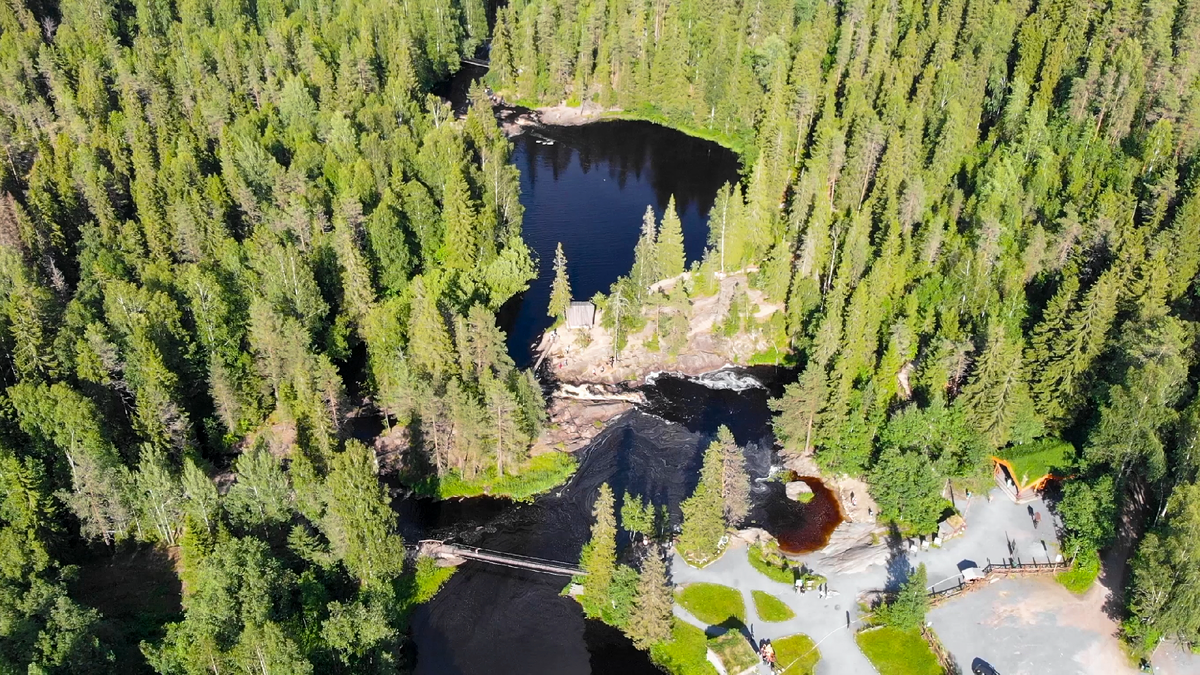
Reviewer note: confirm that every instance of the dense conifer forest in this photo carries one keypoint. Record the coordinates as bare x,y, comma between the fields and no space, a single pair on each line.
222,226
983,217
225,225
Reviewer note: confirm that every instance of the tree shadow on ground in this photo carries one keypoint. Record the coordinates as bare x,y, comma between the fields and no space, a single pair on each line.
898,565
730,625
1135,511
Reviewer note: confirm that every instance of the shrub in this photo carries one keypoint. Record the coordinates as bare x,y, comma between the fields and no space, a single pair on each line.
771,564
1079,578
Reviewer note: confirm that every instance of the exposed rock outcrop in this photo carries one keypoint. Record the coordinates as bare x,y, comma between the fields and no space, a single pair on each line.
578,413
799,491
585,355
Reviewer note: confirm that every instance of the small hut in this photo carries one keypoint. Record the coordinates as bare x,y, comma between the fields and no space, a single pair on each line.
581,315
1021,471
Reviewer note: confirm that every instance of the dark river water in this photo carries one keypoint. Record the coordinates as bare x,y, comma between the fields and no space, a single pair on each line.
588,187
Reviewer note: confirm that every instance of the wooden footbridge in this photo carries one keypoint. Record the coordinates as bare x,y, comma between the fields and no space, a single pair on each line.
448,554
476,62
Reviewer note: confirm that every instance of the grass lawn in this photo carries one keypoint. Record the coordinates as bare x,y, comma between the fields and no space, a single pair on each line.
771,565
713,604
685,654
539,474
1031,461
771,608
734,650
898,652
797,653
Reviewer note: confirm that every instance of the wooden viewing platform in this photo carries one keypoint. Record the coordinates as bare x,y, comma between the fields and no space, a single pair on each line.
451,554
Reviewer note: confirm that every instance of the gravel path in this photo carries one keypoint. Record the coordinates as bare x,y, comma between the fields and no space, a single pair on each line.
1171,659
1032,626
990,526
819,619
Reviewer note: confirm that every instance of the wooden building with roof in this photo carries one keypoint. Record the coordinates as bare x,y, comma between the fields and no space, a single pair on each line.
1022,471
581,315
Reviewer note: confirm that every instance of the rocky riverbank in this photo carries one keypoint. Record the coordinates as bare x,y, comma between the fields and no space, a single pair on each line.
578,413
585,355
515,120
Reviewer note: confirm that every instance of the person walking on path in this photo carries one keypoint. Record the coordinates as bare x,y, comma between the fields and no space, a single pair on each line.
1037,519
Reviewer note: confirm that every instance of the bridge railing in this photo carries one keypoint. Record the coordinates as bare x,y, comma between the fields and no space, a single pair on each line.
456,554
1014,566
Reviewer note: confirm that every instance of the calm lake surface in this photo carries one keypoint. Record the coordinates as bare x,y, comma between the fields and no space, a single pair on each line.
588,187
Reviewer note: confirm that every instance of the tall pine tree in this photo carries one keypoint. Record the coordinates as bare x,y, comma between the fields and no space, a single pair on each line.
560,289
669,254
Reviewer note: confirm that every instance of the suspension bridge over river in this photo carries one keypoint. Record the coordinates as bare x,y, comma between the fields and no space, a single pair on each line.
454,554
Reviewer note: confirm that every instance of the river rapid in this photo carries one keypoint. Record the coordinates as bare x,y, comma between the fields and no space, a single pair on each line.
588,187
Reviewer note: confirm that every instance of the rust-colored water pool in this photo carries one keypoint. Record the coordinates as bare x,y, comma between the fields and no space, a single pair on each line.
800,528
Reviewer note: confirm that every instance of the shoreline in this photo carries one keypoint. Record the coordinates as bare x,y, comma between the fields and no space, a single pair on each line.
515,118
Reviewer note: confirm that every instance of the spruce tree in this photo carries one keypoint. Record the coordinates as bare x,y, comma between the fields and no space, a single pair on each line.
560,289
907,610
645,263
704,512
461,247
599,556
650,621
637,516
669,254
996,399
428,340
735,482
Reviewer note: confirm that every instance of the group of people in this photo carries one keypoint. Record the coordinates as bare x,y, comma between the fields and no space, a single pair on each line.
767,652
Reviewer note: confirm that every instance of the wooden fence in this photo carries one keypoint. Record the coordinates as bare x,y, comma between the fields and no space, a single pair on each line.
945,659
1009,567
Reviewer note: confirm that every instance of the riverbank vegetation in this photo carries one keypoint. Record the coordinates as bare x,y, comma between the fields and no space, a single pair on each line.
223,228
720,501
983,219
638,602
527,480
